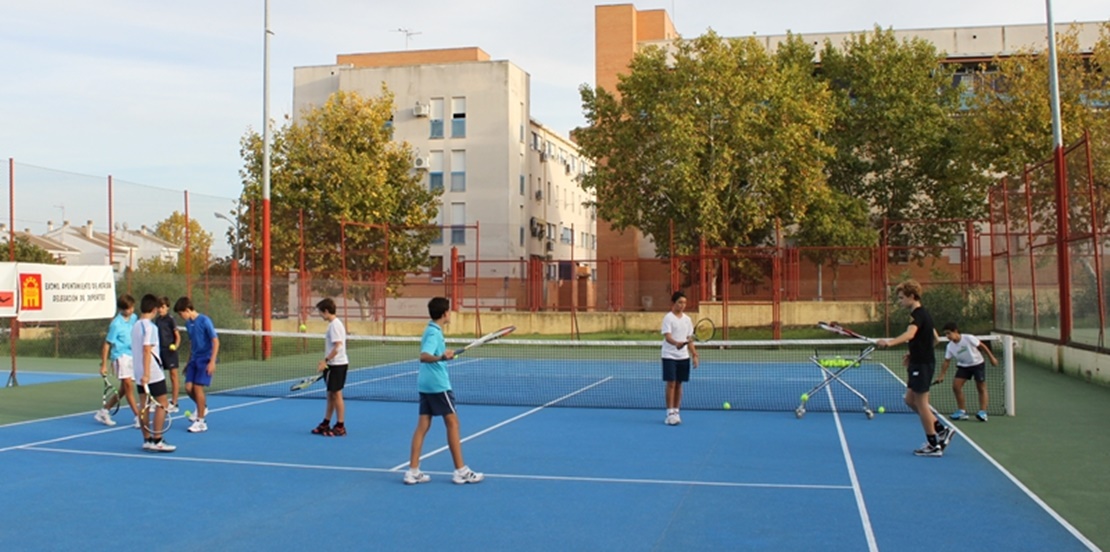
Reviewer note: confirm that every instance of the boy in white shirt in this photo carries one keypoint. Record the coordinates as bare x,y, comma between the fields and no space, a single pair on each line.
149,375
678,351
334,366
969,364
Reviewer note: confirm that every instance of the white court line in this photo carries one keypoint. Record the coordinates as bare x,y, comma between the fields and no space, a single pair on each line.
865,517
511,420
291,465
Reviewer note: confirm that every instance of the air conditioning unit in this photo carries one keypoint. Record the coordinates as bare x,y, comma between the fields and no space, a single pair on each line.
421,110
539,194
550,246
421,163
543,157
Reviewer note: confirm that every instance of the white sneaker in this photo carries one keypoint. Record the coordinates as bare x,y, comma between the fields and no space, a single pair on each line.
672,419
465,475
161,446
414,477
172,408
198,427
193,417
147,445
677,419
103,417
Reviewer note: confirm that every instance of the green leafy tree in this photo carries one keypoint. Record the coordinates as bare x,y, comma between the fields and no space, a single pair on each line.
27,252
898,143
718,135
172,229
339,163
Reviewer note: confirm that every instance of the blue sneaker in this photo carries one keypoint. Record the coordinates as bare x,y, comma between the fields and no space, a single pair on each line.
982,415
960,414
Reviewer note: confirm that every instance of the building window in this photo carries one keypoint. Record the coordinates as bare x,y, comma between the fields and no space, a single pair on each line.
522,236
458,223
522,184
535,141
458,117
438,222
458,171
566,236
435,171
436,118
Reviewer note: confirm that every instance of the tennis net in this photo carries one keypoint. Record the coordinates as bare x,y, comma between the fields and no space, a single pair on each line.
749,375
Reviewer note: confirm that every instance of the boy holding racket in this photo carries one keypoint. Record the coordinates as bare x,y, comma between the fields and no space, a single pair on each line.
678,351
334,366
148,372
436,398
921,337
117,351
969,364
204,346
169,339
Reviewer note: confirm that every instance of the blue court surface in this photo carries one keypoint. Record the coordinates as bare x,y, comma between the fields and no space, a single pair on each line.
556,479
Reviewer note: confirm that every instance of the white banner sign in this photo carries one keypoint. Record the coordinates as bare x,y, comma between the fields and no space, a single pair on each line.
51,293
8,306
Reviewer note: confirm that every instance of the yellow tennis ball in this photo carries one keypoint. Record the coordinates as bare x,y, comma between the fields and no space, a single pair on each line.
727,406
882,409
303,327
805,397
188,413
173,347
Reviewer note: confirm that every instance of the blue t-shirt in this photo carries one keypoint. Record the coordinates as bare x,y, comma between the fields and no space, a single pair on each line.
119,336
433,375
201,333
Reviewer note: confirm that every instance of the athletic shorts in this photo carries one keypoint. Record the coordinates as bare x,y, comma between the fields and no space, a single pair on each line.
336,377
124,367
920,377
437,404
157,389
196,372
676,369
978,372
169,359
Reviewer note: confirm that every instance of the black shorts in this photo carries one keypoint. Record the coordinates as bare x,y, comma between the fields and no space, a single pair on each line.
336,377
157,389
437,404
978,372
169,359
676,370
920,376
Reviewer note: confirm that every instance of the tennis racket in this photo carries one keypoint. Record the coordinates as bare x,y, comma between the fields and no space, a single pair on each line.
704,330
841,330
492,336
149,410
304,383
109,392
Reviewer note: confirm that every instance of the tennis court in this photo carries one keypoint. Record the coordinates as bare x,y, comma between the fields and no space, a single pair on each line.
613,478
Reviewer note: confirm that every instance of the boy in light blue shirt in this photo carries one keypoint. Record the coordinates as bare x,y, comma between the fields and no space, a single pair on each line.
117,351
436,398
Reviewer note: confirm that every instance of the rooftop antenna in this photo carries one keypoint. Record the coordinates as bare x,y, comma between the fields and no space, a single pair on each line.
409,33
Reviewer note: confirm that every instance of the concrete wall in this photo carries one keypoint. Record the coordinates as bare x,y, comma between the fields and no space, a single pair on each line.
1086,365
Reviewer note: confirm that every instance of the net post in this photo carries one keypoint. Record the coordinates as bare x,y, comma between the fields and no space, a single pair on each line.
1008,373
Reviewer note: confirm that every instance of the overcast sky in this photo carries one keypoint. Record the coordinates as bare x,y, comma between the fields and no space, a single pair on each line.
159,93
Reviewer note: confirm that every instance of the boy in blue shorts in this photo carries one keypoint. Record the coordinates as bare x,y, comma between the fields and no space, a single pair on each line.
117,351
436,398
204,346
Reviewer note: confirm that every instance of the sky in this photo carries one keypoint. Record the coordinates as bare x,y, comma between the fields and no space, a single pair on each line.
160,93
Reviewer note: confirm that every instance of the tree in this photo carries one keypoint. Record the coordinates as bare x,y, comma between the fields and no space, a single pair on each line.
897,137
27,252
718,135
172,229
339,163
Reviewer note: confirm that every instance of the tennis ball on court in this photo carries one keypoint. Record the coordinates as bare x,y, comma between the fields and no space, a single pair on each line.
805,397
727,406
188,413
303,328
882,409
173,347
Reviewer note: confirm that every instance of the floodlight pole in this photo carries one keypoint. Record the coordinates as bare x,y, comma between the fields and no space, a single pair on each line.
1063,260
267,323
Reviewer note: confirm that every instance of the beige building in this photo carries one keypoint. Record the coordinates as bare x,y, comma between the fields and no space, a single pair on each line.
511,186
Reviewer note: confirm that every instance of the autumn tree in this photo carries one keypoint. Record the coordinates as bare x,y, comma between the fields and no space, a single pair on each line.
338,163
27,252
198,253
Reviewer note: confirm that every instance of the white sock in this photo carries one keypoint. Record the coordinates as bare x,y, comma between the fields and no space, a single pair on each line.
463,470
